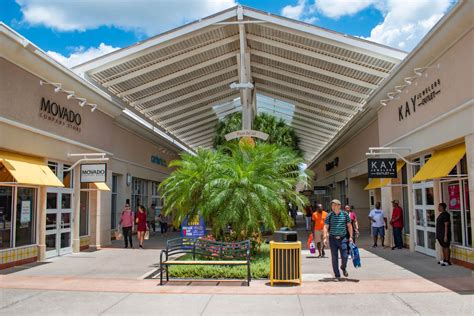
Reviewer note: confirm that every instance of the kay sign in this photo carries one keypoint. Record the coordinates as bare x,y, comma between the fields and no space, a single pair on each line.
382,168
93,173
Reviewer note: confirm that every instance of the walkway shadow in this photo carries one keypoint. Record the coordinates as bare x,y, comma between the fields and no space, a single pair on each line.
22,267
340,280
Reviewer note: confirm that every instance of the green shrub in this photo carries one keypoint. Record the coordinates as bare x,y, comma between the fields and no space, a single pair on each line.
259,268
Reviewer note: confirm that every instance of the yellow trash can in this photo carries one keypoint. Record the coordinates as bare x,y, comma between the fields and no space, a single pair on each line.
285,262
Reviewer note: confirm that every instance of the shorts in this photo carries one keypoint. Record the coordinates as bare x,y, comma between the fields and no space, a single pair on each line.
378,231
318,236
444,244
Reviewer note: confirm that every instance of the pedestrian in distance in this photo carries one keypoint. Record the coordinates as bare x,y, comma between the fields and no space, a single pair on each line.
443,233
309,213
355,224
141,225
163,223
379,224
397,225
126,222
150,217
337,226
318,217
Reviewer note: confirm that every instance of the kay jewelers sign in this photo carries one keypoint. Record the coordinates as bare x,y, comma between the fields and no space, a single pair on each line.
382,168
93,173
246,133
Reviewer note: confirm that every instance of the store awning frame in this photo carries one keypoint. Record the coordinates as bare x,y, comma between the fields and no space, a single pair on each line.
441,163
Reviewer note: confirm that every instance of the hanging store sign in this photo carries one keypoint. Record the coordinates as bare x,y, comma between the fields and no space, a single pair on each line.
382,168
332,164
420,99
60,115
93,173
246,133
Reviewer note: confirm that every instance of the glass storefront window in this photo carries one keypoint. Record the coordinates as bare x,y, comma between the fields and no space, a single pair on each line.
113,213
139,193
25,217
6,215
51,201
84,211
67,177
405,204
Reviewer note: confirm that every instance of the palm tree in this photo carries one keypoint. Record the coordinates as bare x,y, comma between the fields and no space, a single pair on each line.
279,132
248,187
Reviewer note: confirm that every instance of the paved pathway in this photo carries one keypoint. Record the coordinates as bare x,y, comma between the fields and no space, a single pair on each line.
112,281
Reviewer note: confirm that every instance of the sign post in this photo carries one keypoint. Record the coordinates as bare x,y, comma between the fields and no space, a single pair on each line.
382,168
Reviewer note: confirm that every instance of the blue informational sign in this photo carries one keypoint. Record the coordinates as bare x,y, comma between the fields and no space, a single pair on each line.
193,227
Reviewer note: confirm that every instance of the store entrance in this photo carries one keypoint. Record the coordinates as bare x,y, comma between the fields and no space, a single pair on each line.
59,222
425,218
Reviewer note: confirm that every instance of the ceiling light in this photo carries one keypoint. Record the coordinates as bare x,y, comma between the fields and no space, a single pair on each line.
58,88
83,102
94,106
70,95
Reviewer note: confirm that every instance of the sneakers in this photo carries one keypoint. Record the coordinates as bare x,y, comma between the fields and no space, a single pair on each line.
344,272
374,246
446,263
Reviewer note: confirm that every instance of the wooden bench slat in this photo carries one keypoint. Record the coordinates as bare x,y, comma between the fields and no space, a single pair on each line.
201,262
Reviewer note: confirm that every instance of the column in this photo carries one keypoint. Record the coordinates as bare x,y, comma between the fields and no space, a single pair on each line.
470,170
76,242
42,223
387,197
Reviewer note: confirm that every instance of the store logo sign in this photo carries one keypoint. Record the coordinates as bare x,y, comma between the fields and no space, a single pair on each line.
332,164
382,168
60,115
419,99
159,161
93,173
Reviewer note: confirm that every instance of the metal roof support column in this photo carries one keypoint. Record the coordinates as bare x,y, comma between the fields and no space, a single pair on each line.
247,113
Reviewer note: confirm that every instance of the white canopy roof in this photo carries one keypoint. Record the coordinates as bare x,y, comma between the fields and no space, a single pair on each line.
315,79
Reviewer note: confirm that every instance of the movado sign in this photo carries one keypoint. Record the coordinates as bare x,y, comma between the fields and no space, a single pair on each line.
382,168
93,173
60,115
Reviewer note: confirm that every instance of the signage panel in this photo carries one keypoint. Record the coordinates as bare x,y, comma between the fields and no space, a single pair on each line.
193,227
93,173
382,168
244,133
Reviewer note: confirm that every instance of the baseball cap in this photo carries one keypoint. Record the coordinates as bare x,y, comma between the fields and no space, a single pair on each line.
335,201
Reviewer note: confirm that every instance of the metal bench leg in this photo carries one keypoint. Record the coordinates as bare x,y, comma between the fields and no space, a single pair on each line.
161,275
249,275
167,274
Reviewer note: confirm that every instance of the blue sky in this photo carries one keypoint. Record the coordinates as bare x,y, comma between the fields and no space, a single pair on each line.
77,30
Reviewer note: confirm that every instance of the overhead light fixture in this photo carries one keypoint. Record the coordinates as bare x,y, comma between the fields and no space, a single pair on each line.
94,106
42,83
384,102
419,71
399,89
58,87
70,94
82,102
393,95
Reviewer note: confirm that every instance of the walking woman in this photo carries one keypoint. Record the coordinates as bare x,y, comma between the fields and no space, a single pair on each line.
141,225
126,221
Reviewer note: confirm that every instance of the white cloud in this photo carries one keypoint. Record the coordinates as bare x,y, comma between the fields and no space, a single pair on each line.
301,11
406,22
337,8
148,16
81,55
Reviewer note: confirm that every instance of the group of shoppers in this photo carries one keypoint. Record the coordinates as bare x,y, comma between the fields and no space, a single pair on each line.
144,220
338,228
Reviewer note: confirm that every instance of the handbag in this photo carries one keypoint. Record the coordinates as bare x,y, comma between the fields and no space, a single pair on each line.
118,234
147,235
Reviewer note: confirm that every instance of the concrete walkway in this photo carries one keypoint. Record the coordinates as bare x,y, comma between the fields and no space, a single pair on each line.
113,281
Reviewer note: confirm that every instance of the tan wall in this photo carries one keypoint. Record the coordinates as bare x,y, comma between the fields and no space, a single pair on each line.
21,100
351,154
457,87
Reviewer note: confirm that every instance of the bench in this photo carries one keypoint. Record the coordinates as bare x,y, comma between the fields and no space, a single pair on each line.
205,252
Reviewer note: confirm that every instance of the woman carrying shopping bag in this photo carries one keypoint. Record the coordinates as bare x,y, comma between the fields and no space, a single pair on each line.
126,222
141,225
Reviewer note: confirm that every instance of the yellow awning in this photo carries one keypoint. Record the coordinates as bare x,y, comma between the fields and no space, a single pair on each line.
28,170
381,182
441,163
100,186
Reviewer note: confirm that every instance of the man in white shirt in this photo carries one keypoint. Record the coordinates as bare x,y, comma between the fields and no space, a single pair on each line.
379,224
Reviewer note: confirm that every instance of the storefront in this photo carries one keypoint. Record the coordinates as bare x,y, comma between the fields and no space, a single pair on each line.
46,207
424,115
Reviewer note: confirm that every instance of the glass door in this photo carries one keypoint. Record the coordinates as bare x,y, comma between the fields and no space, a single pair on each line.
425,218
58,222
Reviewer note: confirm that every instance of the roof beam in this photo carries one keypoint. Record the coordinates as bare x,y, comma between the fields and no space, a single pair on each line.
309,79
314,69
189,95
207,137
176,74
313,54
169,61
309,91
183,86
223,95
291,97
192,138
212,117
197,130
308,145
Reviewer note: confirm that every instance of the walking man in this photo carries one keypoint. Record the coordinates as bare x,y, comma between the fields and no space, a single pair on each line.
336,226
397,224
318,232
443,233
379,224
150,217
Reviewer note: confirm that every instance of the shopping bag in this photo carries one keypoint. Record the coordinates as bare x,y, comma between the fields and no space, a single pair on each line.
147,235
312,247
118,234
355,255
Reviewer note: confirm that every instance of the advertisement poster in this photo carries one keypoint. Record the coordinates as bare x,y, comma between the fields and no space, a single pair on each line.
454,197
193,227
25,215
